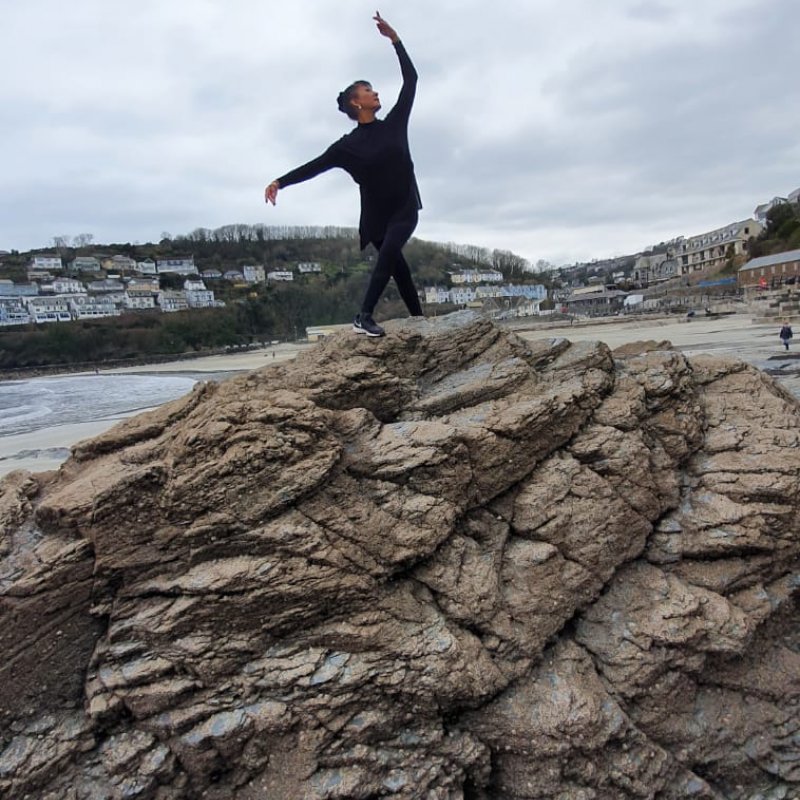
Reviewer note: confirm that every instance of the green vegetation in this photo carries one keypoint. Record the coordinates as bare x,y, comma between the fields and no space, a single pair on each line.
781,233
253,314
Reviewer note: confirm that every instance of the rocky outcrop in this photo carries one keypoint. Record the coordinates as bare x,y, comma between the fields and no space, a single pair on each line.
445,564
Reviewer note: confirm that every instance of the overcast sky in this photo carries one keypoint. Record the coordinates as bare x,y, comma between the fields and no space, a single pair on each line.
559,129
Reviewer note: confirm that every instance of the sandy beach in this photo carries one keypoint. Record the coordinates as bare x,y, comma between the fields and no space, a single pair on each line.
735,336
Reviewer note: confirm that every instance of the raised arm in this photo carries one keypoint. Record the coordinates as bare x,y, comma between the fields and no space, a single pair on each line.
311,169
402,108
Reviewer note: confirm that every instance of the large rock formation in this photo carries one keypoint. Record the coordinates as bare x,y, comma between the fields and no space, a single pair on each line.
444,564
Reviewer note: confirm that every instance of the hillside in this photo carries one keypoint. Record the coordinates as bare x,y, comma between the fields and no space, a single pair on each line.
252,313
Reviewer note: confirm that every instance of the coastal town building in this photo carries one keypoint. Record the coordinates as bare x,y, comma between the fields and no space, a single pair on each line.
487,292
197,295
234,276
12,312
48,309
254,274
141,294
461,295
512,307
105,285
84,264
65,286
147,267
140,299
170,300
143,284
119,263
594,301
178,266
768,272
280,275
650,268
711,250
436,294
761,211
470,276
45,263
211,275
308,267
88,307
11,289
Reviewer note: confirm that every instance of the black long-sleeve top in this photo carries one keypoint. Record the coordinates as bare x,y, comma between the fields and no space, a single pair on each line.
377,156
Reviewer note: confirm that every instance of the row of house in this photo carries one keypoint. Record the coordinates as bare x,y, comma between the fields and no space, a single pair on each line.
463,294
475,276
66,299
47,267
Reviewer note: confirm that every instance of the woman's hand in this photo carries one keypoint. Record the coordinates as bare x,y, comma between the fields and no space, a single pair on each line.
271,192
385,29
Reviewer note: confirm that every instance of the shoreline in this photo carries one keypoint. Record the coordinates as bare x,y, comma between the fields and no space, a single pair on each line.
210,361
736,336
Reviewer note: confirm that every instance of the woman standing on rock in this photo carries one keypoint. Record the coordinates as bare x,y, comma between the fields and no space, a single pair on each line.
377,156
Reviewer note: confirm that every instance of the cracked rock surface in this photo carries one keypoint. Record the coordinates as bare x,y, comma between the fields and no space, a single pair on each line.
444,565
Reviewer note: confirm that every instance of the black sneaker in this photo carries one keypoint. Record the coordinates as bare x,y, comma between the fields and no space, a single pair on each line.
363,323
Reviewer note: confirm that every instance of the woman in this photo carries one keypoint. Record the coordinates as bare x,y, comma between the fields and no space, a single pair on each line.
376,155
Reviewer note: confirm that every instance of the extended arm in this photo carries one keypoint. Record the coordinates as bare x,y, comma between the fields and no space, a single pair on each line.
315,167
402,107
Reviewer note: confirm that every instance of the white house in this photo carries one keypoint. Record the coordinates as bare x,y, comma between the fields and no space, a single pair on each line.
84,264
67,286
467,276
178,266
119,263
197,296
436,294
11,289
140,299
105,285
13,313
84,307
531,291
45,263
760,212
147,267
171,300
144,285
461,295
48,309
280,275
254,274
485,292
307,267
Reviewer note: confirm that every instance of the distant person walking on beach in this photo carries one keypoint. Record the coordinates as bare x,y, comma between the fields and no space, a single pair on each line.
377,156
785,334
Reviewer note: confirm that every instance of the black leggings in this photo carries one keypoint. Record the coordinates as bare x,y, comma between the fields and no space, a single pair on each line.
390,263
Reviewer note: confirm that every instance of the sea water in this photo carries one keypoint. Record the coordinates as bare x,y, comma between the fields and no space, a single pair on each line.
30,405
41,417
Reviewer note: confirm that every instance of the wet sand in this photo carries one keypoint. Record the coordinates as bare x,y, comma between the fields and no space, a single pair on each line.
735,336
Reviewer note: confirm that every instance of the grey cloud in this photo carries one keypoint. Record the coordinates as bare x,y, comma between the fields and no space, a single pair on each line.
574,127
